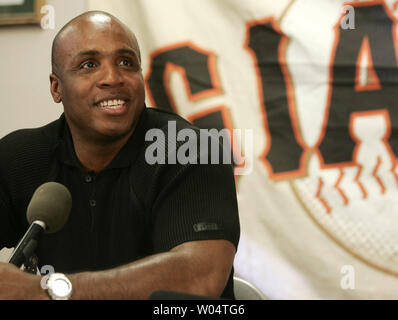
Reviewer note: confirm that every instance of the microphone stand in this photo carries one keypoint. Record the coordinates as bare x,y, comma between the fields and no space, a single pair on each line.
30,265
24,252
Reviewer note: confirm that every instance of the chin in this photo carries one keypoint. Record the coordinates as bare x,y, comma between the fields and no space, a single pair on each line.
112,134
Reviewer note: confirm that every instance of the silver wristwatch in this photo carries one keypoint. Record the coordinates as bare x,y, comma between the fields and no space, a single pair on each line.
59,287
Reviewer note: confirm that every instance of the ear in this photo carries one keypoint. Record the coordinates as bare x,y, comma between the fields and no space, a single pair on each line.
55,88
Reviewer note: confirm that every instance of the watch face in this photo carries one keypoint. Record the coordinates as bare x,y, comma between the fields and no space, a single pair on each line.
61,287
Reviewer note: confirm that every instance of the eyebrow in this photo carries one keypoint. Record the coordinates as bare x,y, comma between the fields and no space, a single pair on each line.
96,53
127,51
88,53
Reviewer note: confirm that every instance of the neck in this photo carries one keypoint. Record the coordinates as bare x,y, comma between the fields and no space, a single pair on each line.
96,155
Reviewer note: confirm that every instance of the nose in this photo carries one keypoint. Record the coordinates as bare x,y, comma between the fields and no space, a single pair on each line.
110,76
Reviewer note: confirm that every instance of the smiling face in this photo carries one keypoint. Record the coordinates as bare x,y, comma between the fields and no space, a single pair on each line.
98,78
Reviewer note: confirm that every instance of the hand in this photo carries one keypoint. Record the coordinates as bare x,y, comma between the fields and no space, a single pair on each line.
18,285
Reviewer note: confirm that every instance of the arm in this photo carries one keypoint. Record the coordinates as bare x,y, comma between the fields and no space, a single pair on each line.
196,267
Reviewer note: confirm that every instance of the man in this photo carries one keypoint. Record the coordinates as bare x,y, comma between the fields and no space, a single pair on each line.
134,228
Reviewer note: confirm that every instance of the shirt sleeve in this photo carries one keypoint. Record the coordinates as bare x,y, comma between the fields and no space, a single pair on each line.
8,236
198,203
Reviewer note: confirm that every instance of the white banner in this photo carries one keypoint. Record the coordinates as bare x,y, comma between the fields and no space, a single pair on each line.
317,82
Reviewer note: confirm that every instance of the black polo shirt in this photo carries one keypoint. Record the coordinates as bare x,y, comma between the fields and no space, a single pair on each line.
129,210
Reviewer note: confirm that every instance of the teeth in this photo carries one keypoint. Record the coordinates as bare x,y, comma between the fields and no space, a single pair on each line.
112,103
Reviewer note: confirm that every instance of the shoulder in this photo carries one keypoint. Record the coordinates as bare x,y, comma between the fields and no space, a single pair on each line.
27,151
23,140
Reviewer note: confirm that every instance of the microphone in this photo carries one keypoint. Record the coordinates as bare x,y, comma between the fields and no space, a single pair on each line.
48,211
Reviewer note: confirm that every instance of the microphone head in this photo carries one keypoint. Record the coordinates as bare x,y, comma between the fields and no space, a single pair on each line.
50,203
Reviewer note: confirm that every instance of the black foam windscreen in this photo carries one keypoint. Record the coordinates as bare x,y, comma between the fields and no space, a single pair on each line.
50,203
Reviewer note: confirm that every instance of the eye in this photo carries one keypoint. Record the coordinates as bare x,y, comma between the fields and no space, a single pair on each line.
87,65
125,62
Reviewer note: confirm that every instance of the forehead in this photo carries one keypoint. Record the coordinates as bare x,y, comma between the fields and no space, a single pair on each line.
99,35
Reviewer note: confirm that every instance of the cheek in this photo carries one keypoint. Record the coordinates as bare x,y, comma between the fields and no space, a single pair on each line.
74,100
75,95
139,89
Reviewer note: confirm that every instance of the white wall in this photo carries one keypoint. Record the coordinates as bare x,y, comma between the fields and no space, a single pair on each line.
25,64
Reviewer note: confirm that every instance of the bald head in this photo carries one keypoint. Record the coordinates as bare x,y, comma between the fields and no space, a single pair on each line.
97,20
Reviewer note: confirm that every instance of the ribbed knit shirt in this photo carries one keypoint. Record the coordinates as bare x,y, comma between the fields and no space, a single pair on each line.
129,210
